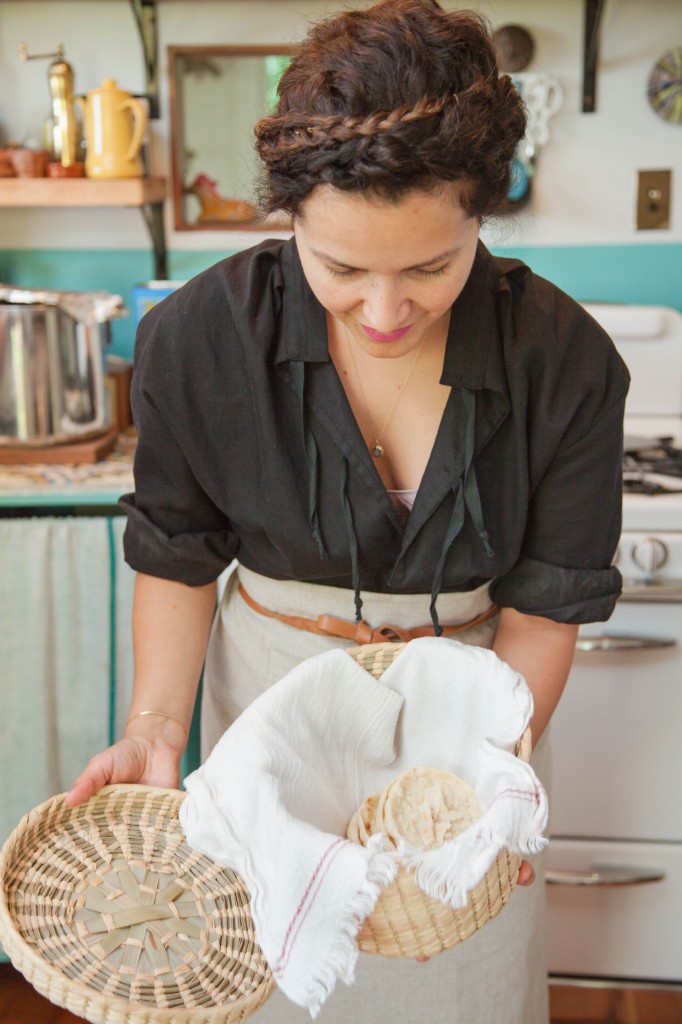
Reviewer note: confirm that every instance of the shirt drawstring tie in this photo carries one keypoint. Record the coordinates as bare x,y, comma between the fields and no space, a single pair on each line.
467,499
311,456
352,538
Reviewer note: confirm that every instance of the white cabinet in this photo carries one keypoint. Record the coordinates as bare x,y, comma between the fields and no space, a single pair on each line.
628,930
616,802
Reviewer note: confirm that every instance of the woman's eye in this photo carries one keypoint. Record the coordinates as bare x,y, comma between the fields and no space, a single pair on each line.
434,273
340,273
346,274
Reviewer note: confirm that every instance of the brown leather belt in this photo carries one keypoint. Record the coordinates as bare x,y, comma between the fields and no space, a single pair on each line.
361,632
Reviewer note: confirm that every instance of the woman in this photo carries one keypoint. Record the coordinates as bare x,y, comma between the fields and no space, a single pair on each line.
381,424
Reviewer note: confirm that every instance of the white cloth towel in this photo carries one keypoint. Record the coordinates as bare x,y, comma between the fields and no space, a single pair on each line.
274,798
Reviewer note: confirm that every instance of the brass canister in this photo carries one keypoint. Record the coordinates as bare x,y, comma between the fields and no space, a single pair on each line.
65,133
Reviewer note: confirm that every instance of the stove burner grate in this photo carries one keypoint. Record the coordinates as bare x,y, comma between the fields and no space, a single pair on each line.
641,485
652,466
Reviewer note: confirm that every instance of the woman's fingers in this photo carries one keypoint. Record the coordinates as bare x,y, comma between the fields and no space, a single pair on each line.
134,759
83,788
95,775
526,875
124,762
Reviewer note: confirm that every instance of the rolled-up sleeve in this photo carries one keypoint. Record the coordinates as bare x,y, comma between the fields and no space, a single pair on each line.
194,558
173,529
565,595
574,523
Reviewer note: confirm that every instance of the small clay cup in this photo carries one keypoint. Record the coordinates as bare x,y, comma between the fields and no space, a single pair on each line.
29,163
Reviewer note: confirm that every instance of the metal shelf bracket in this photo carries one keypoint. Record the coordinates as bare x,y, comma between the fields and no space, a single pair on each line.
145,19
153,215
594,10
144,12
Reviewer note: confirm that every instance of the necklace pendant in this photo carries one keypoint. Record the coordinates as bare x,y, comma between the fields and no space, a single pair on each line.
377,450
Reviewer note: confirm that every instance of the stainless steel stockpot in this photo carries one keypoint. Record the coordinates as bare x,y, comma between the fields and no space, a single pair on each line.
51,375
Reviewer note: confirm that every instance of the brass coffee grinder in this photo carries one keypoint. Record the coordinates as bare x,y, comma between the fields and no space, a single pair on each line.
64,129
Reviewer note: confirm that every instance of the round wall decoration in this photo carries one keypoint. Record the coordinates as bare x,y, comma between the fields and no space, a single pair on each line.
664,89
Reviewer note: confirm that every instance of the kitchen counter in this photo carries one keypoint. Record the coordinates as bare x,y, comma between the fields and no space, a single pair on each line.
67,486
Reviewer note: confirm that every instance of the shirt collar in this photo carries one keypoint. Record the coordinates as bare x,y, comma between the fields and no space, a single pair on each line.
303,334
473,357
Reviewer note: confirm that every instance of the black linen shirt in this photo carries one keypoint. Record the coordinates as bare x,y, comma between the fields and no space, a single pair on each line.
221,469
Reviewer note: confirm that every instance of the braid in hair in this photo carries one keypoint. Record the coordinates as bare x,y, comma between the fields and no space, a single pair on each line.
296,131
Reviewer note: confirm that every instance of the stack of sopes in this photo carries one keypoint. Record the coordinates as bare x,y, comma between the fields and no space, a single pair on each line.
420,810
423,808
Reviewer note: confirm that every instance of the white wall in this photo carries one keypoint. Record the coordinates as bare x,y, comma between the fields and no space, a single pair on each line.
584,191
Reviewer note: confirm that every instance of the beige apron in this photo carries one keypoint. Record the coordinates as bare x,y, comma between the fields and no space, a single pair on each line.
496,977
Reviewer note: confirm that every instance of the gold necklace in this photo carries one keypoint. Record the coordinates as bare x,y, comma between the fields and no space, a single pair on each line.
377,449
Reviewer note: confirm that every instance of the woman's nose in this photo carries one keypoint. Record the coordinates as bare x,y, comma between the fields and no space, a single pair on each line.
385,305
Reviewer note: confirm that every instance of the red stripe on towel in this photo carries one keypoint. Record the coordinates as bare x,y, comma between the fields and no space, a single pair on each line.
306,901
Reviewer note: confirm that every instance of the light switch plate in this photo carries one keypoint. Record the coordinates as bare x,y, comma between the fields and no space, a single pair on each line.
653,200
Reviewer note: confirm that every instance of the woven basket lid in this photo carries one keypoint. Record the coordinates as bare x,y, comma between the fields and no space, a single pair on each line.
108,912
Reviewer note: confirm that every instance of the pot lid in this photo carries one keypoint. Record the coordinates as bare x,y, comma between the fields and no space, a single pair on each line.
89,307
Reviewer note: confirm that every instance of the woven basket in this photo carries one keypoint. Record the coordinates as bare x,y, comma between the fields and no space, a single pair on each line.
405,921
106,911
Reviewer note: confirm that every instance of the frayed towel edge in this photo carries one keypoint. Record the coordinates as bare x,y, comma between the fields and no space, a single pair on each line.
341,958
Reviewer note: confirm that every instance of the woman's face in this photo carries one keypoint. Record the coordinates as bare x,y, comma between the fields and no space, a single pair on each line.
387,272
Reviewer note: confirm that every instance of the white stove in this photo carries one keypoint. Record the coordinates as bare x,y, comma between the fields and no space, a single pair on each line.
642,512
661,510
649,338
615,854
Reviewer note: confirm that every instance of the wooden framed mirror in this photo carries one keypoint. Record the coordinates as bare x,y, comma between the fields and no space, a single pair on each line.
217,93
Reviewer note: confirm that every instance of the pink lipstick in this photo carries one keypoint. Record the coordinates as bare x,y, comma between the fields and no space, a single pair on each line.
391,336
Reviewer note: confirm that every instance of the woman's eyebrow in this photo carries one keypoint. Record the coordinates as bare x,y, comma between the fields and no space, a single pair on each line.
440,258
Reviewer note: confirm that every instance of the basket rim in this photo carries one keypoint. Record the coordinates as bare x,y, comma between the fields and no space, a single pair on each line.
97,1006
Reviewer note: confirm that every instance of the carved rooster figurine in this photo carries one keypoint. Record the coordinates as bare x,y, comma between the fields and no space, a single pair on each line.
215,207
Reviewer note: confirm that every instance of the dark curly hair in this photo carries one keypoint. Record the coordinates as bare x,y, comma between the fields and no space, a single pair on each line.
400,96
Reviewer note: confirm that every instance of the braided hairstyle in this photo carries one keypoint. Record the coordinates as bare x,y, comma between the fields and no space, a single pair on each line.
400,96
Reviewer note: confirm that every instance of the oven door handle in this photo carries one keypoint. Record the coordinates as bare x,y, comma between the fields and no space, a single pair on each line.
652,591
623,642
605,874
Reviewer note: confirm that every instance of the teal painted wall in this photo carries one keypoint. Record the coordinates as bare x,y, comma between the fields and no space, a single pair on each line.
641,274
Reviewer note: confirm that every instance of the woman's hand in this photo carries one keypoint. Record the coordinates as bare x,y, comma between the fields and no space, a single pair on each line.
145,760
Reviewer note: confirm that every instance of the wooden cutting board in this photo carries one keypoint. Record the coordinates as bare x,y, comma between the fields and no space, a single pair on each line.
91,450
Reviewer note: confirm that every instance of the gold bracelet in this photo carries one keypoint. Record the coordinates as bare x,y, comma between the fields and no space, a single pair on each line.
161,714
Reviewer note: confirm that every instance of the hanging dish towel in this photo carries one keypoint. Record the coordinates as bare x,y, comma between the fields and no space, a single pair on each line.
274,798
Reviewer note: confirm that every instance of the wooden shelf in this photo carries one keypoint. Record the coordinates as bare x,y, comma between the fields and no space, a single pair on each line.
145,194
81,192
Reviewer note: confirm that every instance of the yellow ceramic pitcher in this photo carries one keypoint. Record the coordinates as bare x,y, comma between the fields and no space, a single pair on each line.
115,123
